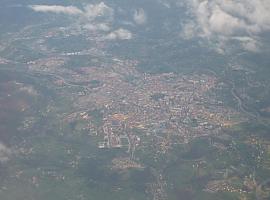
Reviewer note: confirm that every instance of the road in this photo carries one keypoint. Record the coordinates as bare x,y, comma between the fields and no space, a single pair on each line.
240,102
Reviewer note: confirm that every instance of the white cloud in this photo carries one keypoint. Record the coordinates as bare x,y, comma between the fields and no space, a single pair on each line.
221,22
92,17
228,19
70,10
97,27
165,3
252,46
5,153
98,10
90,11
120,34
188,31
248,43
140,16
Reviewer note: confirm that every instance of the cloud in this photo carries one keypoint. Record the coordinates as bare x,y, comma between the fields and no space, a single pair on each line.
140,16
120,34
248,43
228,19
5,153
90,11
70,10
165,3
91,17
251,45
188,30
93,11
95,17
97,27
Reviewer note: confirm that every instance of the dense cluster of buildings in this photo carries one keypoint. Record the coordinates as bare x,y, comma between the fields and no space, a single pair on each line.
168,108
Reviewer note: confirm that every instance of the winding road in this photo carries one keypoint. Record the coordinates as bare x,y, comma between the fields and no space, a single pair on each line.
240,102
